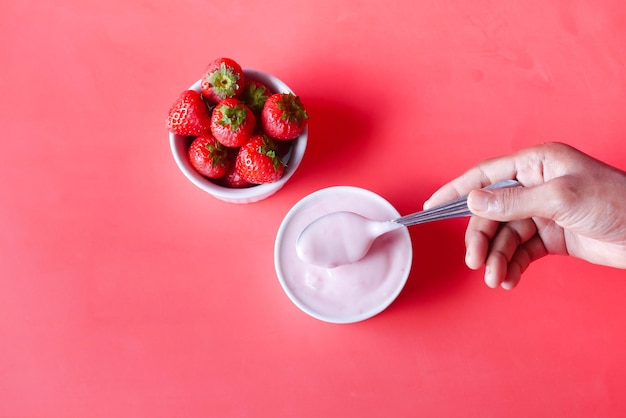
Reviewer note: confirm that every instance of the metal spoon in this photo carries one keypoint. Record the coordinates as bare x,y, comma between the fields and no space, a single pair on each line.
344,237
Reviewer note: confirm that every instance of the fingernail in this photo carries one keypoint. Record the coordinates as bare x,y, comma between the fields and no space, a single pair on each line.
489,277
468,259
482,201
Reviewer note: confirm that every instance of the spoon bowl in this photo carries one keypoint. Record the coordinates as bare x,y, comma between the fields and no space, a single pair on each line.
340,238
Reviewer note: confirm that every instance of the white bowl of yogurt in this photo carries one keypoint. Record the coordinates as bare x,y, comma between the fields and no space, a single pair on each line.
347,293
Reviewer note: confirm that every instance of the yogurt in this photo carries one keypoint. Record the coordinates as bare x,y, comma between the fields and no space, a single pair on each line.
351,292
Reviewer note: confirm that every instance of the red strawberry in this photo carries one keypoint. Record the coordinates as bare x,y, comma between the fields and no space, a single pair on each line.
284,116
258,161
254,95
189,115
232,123
209,157
233,179
223,78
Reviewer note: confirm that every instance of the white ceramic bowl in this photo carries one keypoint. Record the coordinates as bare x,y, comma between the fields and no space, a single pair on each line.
179,145
353,292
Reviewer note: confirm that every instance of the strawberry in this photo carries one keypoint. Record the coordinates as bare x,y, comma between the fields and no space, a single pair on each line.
232,123
258,161
209,157
284,116
189,115
223,78
233,180
254,95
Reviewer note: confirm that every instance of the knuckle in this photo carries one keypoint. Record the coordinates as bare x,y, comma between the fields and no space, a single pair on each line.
564,192
554,149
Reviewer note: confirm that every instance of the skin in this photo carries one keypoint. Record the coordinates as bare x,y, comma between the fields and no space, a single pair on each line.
571,204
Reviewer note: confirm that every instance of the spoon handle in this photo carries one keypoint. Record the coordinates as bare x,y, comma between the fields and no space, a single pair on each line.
453,209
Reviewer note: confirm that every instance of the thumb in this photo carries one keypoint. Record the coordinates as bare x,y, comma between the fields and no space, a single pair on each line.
511,203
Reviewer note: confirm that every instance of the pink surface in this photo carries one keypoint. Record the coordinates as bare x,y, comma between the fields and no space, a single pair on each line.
127,291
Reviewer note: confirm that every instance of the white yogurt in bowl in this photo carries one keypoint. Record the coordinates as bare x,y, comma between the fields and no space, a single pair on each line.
347,293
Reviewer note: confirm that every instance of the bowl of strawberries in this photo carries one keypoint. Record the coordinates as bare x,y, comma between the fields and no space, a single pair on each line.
238,134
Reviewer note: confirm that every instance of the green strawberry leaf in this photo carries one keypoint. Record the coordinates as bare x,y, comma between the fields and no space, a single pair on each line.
268,148
217,154
224,81
255,96
233,117
292,108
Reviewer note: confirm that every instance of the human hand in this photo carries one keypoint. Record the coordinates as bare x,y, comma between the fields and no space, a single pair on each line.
571,204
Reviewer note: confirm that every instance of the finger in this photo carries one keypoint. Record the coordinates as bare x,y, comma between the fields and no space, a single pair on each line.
525,165
495,269
504,245
478,234
547,200
471,180
531,250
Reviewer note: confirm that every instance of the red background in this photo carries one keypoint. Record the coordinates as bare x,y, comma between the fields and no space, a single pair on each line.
127,291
